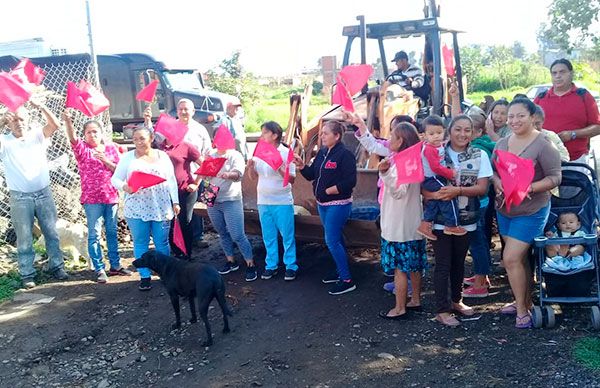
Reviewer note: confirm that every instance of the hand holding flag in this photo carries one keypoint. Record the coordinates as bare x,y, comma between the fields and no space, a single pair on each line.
142,180
269,154
288,162
148,92
409,165
516,175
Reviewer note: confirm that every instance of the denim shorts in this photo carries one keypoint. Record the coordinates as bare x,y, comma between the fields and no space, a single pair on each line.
524,228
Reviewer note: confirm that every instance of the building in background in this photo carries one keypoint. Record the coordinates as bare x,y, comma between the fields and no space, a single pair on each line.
30,48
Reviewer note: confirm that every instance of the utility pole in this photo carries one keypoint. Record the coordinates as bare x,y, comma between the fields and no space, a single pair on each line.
91,43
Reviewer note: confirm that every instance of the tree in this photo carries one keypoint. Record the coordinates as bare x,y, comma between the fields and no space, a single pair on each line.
569,23
231,79
231,66
471,61
518,50
499,57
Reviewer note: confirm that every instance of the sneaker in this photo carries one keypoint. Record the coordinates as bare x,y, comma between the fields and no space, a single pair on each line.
472,292
102,278
290,275
268,274
331,278
60,274
455,230
119,272
471,281
426,229
341,287
145,284
28,283
390,287
251,274
230,266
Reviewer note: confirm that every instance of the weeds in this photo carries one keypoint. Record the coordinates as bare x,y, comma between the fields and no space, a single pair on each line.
587,352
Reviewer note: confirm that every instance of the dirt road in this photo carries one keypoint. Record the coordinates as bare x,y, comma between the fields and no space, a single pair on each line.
289,334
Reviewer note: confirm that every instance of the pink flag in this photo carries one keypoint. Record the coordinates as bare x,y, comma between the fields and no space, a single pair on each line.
516,175
448,55
223,139
13,93
148,92
355,77
288,162
268,153
28,73
171,128
86,98
211,166
409,165
141,180
178,236
341,96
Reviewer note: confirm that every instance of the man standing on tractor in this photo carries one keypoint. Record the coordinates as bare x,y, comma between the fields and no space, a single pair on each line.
410,77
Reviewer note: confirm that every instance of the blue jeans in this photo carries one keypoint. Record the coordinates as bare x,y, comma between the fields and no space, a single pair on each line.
479,246
228,220
95,213
23,208
274,219
334,218
141,231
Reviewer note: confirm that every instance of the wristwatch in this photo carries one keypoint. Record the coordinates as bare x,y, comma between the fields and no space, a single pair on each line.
573,135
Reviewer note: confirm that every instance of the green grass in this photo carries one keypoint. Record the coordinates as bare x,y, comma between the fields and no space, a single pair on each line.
477,97
9,283
587,352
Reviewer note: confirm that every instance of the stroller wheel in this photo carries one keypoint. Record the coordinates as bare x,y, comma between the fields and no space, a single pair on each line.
536,316
550,321
595,317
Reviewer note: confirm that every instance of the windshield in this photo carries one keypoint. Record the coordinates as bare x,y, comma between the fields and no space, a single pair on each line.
183,80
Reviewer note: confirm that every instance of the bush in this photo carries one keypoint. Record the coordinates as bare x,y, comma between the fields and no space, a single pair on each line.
9,283
587,352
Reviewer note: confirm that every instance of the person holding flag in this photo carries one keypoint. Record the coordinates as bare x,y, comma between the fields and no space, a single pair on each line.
149,206
333,173
275,203
527,168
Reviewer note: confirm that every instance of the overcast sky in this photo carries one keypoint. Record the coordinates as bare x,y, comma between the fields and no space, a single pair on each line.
273,37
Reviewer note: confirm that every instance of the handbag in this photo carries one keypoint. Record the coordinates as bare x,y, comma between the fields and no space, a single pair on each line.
207,193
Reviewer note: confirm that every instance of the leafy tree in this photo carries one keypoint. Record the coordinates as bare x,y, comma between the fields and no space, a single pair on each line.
499,57
471,60
569,23
230,78
231,66
518,50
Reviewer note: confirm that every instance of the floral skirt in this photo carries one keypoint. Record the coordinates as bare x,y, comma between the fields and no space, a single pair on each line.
408,256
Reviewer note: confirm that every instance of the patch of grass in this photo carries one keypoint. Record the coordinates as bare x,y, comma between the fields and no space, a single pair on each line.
9,283
587,352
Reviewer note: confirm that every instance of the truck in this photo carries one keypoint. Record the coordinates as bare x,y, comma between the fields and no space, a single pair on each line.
122,76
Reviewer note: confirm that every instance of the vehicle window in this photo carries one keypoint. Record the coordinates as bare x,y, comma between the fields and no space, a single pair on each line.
183,80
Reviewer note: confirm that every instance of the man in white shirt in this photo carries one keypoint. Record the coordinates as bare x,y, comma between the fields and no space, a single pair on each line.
236,127
23,152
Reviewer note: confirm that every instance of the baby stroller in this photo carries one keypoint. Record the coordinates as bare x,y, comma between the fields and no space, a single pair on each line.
574,286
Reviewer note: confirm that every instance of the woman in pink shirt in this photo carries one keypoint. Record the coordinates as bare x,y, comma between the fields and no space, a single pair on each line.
97,161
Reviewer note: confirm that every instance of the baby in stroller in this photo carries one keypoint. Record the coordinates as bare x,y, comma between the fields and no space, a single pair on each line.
566,258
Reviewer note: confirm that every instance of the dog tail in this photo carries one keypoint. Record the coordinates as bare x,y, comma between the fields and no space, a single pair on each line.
223,302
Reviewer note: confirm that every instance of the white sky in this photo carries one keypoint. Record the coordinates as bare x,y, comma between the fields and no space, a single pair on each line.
274,37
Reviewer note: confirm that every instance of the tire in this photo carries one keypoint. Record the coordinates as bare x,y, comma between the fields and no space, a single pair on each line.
550,319
537,317
595,317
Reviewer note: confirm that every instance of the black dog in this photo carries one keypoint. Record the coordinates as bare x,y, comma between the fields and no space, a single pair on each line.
191,280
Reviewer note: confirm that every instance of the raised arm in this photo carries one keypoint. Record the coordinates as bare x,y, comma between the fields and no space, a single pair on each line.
70,130
52,123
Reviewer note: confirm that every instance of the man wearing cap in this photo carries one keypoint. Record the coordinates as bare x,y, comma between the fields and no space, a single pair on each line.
235,125
23,153
410,77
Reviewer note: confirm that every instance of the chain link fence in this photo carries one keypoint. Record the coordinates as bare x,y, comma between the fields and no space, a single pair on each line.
64,176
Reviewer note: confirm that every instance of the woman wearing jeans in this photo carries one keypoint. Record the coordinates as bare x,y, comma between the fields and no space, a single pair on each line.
333,173
450,250
97,161
148,211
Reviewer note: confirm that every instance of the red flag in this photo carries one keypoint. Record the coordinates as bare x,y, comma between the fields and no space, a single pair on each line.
171,128
223,139
409,165
141,180
288,162
355,77
13,93
268,153
148,92
448,55
178,236
341,96
211,166
86,98
516,175
28,73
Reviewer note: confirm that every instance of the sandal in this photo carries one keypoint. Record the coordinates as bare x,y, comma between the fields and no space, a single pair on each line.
466,311
509,309
524,321
449,320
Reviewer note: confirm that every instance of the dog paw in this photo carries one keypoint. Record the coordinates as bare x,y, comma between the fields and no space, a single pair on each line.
194,320
175,326
226,330
207,343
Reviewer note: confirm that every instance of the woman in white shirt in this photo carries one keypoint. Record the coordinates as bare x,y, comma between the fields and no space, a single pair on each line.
148,211
275,205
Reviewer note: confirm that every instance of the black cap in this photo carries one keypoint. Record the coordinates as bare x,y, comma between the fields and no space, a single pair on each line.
400,55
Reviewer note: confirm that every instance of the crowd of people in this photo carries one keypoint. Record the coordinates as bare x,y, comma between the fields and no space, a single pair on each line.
453,208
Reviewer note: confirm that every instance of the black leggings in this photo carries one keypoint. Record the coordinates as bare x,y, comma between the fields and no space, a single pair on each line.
449,252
